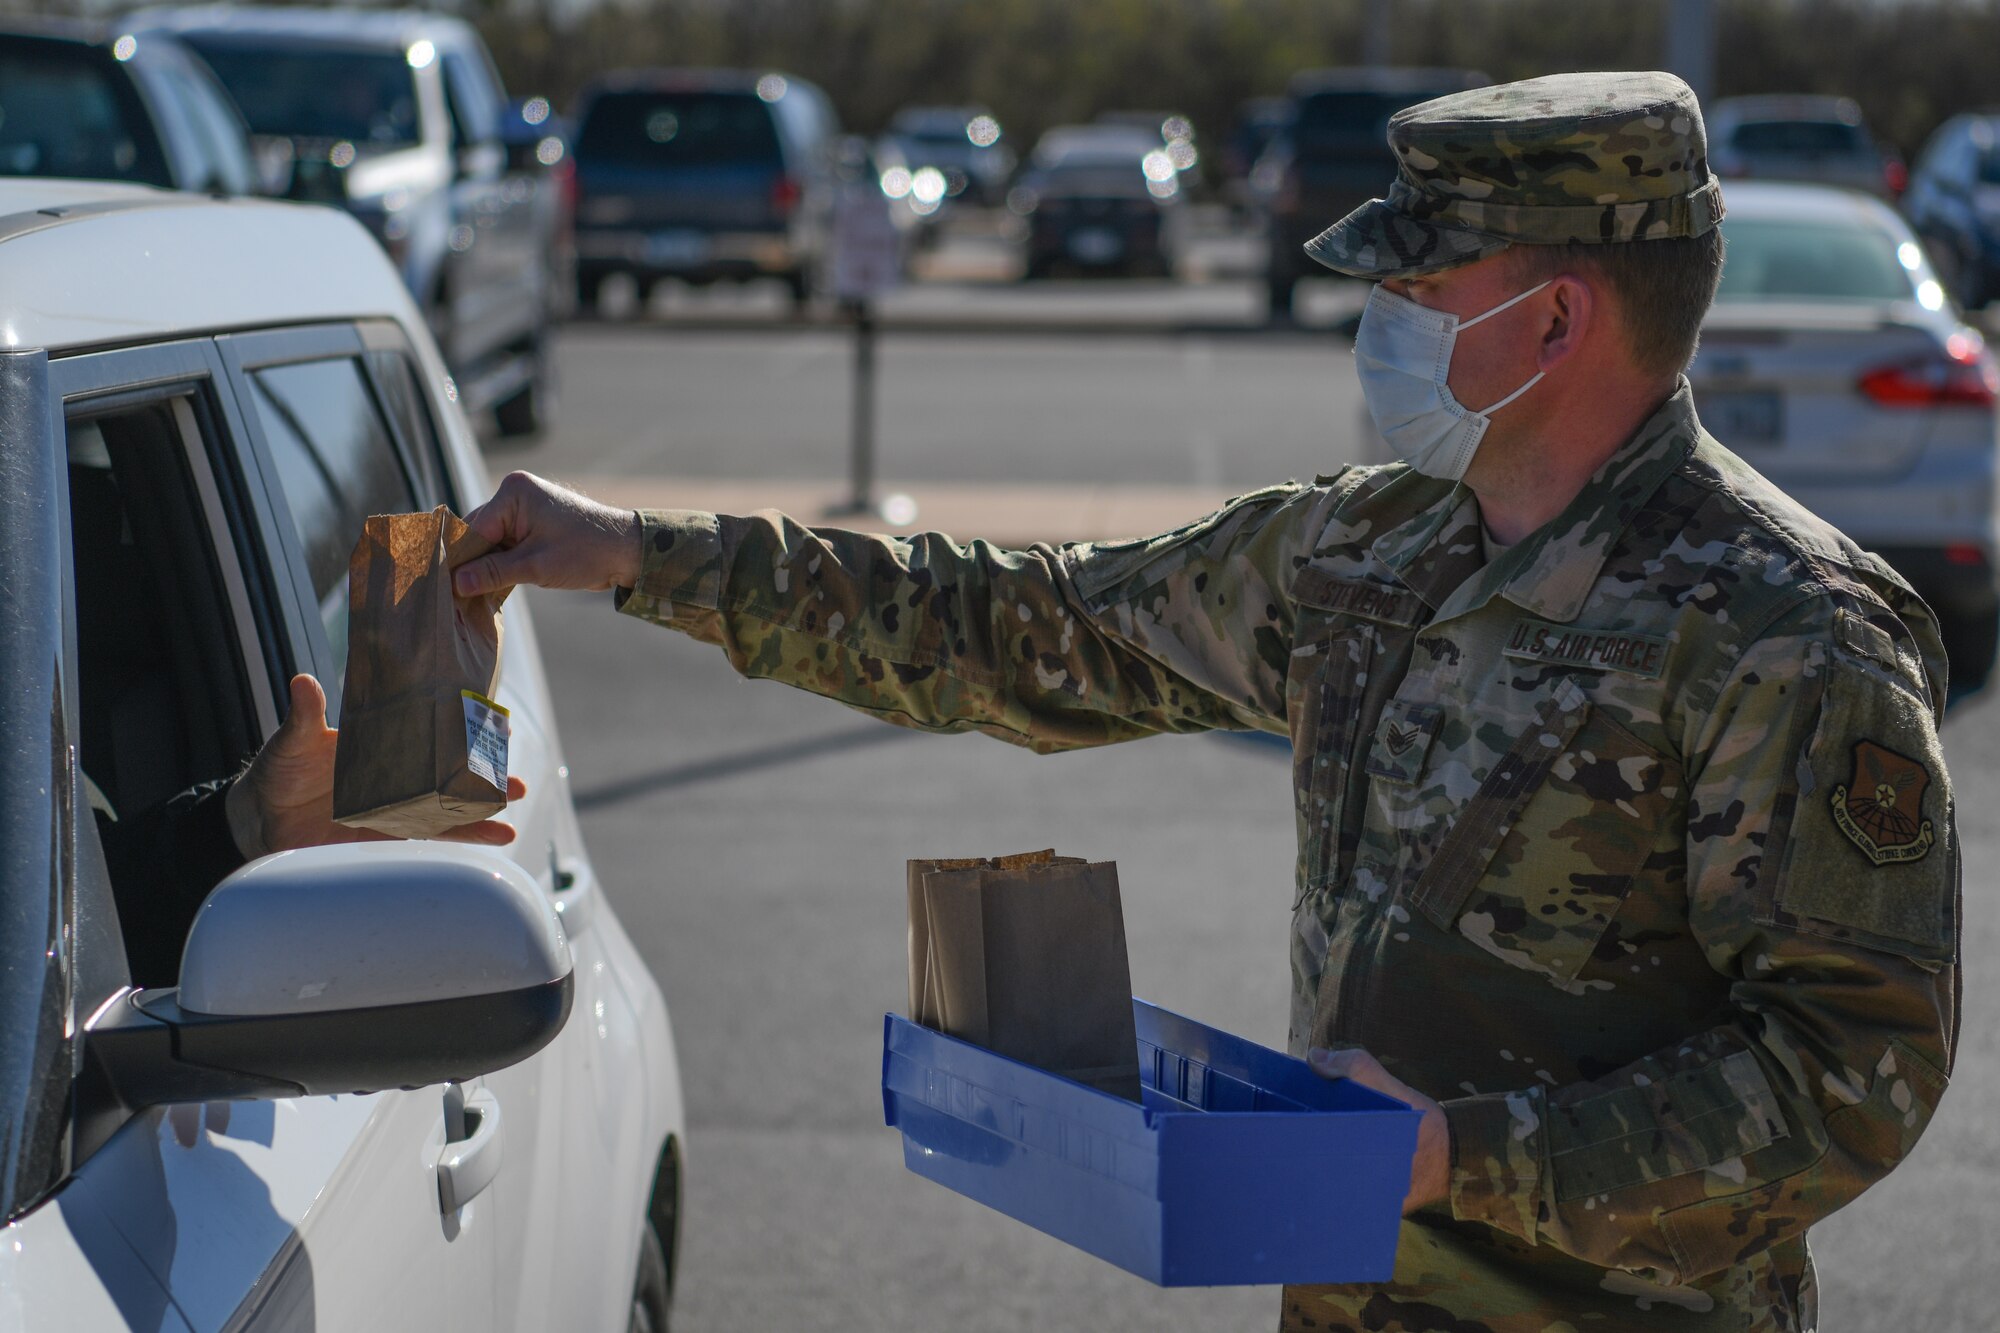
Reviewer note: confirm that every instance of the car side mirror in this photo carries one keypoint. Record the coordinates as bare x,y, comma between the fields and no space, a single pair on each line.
335,970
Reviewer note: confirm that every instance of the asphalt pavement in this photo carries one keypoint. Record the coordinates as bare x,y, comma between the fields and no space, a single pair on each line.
753,838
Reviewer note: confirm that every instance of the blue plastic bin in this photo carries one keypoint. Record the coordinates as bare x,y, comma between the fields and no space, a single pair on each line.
1241,1166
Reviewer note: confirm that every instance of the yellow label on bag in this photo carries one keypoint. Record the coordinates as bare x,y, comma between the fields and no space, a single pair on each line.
486,733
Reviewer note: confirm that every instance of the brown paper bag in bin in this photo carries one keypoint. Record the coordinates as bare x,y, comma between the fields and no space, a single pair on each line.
423,747
1025,955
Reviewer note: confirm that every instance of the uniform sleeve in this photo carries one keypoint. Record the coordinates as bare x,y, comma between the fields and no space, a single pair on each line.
1822,881
1050,648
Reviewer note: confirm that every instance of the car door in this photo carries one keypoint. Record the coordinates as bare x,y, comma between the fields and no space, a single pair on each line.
497,303
572,1193
314,1212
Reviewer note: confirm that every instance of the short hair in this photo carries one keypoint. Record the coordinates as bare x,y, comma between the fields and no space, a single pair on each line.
1664,288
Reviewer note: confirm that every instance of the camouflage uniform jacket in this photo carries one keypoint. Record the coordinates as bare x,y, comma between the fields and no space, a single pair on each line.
1634,847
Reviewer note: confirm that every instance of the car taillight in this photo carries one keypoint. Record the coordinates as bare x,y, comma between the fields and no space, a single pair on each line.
784,195
1965,376
1967,554
1895,176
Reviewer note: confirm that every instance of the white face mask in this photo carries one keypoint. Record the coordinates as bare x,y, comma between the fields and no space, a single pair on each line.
1403,353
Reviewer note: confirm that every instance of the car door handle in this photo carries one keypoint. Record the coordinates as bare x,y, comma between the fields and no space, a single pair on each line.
466,1165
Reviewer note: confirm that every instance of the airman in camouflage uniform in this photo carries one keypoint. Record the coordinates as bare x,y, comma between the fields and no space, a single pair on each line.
1632,844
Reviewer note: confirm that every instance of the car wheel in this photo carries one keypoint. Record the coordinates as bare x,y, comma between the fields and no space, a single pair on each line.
589,286
798,283
528,411
1279,289
651,1293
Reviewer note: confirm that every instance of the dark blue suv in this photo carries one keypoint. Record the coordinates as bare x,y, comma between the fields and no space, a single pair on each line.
702,175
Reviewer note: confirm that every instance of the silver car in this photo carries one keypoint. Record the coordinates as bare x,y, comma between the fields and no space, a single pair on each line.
1834,362
1799,138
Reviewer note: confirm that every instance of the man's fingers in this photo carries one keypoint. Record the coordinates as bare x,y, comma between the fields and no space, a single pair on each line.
492,572
516,788
1347,1062
499,519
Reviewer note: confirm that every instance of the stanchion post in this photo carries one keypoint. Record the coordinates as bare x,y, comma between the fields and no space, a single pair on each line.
862,496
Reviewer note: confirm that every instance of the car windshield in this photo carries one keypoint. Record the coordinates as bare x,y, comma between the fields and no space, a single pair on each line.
1799,138
1813,261
61,115
1351,124
368,98
1989,168
1096,180
668,129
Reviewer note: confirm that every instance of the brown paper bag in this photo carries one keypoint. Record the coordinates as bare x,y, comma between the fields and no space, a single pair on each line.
423,747
1025,955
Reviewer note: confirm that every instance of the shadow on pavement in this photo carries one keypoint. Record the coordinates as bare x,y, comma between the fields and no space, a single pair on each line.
734,765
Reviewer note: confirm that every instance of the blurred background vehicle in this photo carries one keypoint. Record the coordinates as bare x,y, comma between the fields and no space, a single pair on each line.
397,117
1176,136
78,100
1835,364
964,143
1796,138
1332,156
540,164
1954,203
1258,121
700,175
1099,199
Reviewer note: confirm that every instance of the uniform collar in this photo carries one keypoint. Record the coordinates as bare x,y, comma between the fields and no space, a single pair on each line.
1551,571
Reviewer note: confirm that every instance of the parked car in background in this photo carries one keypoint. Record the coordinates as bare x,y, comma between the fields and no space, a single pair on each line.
700,175
1835,364
380,1085
1099,199
86,102
1331,157
1176,136
1258,121
1821,140
1954,203
964,143
539,159
397,117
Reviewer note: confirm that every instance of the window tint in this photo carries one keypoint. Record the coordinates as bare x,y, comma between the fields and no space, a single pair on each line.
403,398
1806,138
1811,261
678,129
365,97
64,111
336,464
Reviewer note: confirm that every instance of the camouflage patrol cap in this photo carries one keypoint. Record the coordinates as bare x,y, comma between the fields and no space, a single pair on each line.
1569,158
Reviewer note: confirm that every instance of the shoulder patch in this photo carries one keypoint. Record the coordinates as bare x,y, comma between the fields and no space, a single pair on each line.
1880,806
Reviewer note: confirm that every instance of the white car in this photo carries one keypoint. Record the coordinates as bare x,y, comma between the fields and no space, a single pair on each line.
381,1086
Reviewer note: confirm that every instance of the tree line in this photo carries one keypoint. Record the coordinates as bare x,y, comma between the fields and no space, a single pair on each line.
1037,63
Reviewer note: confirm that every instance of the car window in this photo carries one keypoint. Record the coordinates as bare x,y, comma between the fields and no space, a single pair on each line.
1801,138
403,399
336,463
368,98
64,111
1812,261
678,129
475,112
163,668
1351,124
220,132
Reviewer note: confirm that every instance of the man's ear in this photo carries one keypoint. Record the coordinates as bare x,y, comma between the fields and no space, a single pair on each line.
1572,316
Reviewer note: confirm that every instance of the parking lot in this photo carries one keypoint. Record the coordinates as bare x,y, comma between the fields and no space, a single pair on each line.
754,839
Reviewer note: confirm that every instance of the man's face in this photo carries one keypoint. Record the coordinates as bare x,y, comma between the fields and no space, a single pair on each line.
1493,359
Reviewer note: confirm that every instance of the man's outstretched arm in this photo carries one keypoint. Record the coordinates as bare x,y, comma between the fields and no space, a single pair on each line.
1049,648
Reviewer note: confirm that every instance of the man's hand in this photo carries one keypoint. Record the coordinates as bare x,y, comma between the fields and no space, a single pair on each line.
1430,1170
284,800
550,537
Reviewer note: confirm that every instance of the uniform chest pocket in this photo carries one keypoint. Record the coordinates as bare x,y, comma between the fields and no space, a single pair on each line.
1539,861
